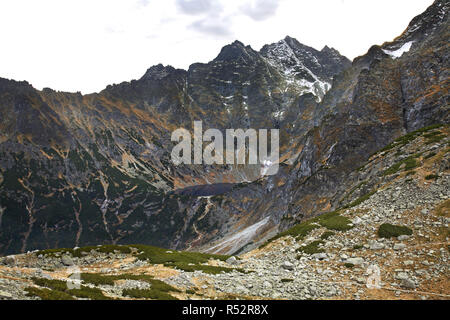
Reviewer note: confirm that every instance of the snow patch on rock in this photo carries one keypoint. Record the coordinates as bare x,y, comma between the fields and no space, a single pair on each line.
399,52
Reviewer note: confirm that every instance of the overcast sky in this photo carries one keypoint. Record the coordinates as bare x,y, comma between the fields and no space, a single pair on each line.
84,45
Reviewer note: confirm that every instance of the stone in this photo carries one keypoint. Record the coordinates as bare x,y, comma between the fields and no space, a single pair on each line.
408,284
232,260
399,246
361,280
401,276
267,285
287,265
9,261
375,245
355,261
276,295
5,294
403,237
66,260
319,256
241,289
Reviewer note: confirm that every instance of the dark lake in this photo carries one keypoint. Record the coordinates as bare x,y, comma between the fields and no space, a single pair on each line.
206,189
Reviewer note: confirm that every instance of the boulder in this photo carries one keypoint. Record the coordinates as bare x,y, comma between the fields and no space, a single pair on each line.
232,260
66,260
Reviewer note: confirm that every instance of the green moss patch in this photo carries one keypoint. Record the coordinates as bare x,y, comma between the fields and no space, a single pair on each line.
79,251
148,294
181,259
299,232
48,294
52,284
401,141
435,139
157,255
159,289
410,163
60,288
88,293
162,286
337,223
326,235
349,265
311,248
388,230
331,220
101,279
98,279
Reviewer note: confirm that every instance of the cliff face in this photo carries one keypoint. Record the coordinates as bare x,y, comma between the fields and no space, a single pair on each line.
84,170
393,89
396,227
78,170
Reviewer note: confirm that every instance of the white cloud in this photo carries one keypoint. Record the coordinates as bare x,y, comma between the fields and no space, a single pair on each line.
215,26
85,45
260,10
143,2
195,7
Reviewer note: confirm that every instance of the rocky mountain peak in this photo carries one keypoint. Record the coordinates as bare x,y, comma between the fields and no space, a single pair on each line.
292,42
7,84
332,52
236,51
305,65
374,53
423,25
158,72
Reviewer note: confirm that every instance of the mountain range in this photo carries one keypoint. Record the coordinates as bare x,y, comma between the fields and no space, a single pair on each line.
79,170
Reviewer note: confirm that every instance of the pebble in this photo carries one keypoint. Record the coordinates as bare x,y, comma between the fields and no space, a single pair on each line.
399,246
287,265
